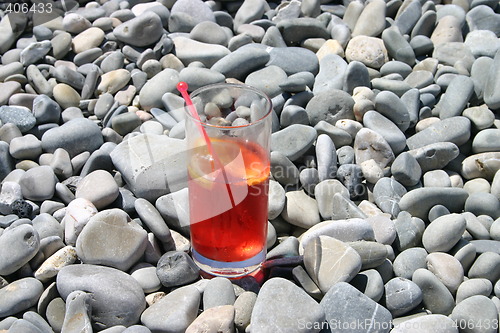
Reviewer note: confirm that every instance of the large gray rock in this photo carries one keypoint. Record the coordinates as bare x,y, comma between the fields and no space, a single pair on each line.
122,306
145,159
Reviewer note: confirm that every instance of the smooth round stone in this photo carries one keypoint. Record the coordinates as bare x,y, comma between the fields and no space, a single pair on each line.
495,230
371,20
209,32
288,302
482,43
486,266
419,79
339,135
454,101
486,141
385,127
241,62
436,297
145,274
219,291
387,194
483,165
98,243
20,116
38,183
176,269
199,77
140,31
125,123
152,218
439,132
477,185
472,287
46,110
27,147
98,187
326,157
419,201
268,80
293,141
474,311
480,116
435,323
372,254
113,81
151,93
75,136
481,203
19,245
401,296
364,309
435,155
7,90
19,296
391,106
293,114
370,51
87,39
345,155
370,283
332,68
447,268
408,261
330,106
66,96
409,231
188,50
75,23
322,254
122,307
293,59
243,307
406,170
112,62
178,308
443,233
298,82
300,209
397,46
383,228
436,178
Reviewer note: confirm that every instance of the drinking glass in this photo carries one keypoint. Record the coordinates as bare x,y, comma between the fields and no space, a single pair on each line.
228,178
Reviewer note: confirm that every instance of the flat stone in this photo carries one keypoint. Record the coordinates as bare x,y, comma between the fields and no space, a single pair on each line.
218,292
409,231
288,302
123,307
387,194
87,39
19,245
389,131
108,239
323,253
240,63
19,116
330,106
419,201
391,106
457,95
362,308
474,310
75,136
435,155
20,295
300,209
447,268
140,31
408,261
178,309
293,140
152,92
435,296
331,73
143,170
188,50
443,233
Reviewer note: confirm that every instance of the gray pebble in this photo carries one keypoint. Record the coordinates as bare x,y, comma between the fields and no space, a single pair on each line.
443,233
243,307
19,116
486,266
435,296
387,194
283,297
363,309
123,307
21,295
401,296
98,187
293,141
309,178
145,274
276,199
142,30
391,106
406,169
219,291
300,209
475,310
483,204
435,155
77,316
178,308
340,137
330,106
409,231
370,145
475,286
408,261
176,268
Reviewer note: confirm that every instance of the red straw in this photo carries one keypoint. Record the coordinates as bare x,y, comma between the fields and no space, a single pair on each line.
183,89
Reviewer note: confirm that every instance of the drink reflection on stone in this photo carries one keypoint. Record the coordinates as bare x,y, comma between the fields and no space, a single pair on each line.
228,184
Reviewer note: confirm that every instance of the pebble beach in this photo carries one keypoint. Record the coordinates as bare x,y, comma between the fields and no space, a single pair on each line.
384,197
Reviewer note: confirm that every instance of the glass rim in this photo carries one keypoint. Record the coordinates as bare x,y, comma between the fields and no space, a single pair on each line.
200,90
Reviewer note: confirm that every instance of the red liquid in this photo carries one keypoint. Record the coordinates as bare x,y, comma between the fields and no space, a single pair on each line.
227,226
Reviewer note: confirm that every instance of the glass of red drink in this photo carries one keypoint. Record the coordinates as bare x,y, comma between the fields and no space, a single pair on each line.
228,177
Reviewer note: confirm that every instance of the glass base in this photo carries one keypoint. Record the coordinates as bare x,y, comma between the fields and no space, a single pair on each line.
226,269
